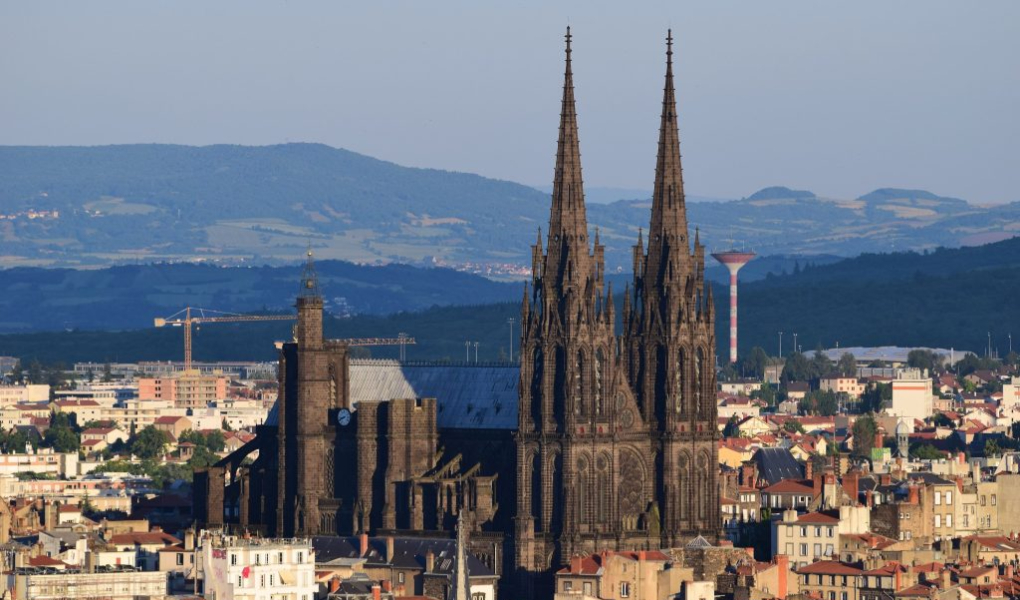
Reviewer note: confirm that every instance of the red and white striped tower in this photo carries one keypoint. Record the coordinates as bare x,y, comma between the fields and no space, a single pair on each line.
733,260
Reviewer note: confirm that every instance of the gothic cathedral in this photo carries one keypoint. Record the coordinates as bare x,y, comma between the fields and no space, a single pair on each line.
617,437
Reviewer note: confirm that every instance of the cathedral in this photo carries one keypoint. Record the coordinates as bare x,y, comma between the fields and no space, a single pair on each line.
605,436
617,434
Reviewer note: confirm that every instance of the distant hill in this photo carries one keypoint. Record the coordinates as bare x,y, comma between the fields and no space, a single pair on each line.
129,297
947,298
95,206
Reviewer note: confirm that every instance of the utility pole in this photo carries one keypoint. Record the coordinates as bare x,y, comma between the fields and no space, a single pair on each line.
510,321
796,348
476,353
780,344
467,352
988,353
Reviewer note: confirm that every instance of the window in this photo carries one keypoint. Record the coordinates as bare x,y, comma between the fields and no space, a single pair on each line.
300,557
993,499
240,581
830,531
587,588
262,578
625,589
233,559
400,577
982,500
938,521
280,557
818,532
258,559
843,596
272,580
829,550
478,596
938,498
180,558
568,585
789,548
818,550
949,498
803,549
949,520
832,595
803,532
844,581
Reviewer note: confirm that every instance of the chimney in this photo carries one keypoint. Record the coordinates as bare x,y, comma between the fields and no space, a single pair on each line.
885,479
189,539
819,482
783,564
334,584
376,592
809,469
850,485
869,499
389,549
747,475
387,586
430,561
642,556
879,439
898,579
959,483
575,564
913,494
947,579
363,538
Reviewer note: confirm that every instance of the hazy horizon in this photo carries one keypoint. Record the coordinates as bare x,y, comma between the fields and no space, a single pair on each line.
839,100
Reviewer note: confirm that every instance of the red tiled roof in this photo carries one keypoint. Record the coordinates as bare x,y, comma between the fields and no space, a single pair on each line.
890,568
168,420
45,561
931,567
817,517
829,567
789,486
145,538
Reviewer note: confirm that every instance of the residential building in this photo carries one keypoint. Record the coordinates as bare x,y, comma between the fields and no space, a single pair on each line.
911,395
258,569
110,582
851,386
185,390
18,394
830,580
641,575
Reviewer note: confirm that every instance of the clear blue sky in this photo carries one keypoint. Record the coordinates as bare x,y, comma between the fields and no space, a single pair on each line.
838,98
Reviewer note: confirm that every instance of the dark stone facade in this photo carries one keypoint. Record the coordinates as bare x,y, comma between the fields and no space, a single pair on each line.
616,439
616,444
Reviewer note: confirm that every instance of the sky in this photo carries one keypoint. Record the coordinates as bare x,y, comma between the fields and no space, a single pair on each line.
836,98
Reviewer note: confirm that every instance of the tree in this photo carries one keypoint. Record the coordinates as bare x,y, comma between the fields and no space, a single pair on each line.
793,426
864,431
754,363
921,359
202,458
17,373
766,393
992,448
35,372
875,398
941,420
797,368
819,402
107,373
225,426
821,365
149,443
732,429
926,452
61,436
847,365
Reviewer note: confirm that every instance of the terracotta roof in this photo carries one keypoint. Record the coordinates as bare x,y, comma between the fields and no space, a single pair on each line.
789,486
167,420
174,548
145,538
817,517
45,561
915,591
931,567
890,568
829,567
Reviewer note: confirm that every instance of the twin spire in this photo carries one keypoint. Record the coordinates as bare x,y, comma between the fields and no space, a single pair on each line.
568,225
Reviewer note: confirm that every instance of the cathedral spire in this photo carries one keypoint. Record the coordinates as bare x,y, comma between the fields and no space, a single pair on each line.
667,236
567,222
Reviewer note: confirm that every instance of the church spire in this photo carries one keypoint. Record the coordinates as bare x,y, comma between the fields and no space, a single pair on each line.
567,221
667,236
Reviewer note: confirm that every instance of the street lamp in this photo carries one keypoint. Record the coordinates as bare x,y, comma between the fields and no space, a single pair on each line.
510,321
796,348
780,344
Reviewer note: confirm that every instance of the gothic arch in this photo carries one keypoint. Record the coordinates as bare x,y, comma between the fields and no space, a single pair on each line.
580,376
603,487
632,473
582,488
598,380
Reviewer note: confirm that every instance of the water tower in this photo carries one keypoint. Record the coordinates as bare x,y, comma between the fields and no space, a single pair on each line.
733,260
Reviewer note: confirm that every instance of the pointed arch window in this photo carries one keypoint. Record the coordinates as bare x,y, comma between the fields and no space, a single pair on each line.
698,365
679,380
600,360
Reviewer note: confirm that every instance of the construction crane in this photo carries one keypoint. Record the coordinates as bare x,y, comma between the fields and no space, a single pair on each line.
189,316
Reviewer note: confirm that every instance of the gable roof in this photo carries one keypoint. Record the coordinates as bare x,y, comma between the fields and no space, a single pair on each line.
829,567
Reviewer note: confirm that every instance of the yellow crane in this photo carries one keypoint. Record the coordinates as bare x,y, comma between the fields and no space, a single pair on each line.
189,316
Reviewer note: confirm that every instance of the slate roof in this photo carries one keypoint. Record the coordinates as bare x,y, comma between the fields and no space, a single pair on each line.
777,464
467,396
